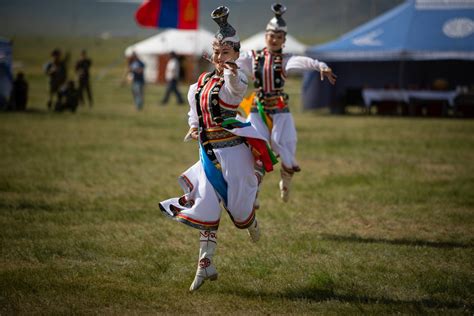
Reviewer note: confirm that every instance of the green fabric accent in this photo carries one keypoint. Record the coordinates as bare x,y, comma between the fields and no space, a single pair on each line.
264,119
272,155
261,112
230,121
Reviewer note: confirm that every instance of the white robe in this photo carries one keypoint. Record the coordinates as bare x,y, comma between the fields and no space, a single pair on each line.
237,165
282,137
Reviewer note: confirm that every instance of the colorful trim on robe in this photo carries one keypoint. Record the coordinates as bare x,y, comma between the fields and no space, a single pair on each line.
175,214
214,175
245,223
197,224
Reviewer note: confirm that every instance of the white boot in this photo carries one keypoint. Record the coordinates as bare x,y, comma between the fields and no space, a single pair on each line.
254,231
206,269
284,191
285,183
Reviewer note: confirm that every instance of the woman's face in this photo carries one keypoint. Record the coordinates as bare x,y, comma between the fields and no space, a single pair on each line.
275,40
221,54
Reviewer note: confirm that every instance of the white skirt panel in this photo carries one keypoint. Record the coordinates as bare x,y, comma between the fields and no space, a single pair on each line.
202,208
282,138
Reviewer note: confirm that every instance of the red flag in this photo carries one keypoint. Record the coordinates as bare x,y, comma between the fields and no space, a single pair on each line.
179,14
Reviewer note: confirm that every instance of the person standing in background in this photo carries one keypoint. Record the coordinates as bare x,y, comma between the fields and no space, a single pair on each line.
57,71
172,77
82,71
68,98
137,68
19,94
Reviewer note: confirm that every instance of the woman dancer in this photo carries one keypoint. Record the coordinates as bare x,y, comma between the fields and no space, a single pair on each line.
225,172
269,112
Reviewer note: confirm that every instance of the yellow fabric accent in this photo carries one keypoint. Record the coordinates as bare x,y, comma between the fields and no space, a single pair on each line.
246,104
214,129
269,122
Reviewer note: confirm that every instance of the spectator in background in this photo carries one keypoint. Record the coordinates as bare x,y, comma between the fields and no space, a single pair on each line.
82,71
19,93
172,77
68,98
57,71
136,68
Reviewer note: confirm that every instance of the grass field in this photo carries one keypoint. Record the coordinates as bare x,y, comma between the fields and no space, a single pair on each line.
380,221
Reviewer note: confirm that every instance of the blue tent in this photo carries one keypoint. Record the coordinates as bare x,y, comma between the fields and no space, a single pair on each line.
414,43
6,76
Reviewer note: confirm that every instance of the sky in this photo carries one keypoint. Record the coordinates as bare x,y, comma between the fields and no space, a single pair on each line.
306,18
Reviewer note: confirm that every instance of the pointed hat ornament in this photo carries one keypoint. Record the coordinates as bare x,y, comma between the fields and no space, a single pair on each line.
277,24
226,32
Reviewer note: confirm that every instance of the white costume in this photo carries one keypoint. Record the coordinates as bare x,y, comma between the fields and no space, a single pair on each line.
270,113
282,137
225,172
200,206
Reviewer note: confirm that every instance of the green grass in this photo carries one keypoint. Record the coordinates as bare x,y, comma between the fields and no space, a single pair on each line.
380,220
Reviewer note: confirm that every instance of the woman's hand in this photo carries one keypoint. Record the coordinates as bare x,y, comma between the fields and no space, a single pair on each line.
192,134
231,65
327,72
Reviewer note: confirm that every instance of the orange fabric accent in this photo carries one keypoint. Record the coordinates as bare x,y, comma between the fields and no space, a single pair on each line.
246,104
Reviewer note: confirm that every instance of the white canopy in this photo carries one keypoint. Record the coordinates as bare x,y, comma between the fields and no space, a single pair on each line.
182,42
257,41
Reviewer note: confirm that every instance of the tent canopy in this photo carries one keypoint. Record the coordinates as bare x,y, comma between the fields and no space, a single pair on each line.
182,42
6,75
153,51
257,42
415,30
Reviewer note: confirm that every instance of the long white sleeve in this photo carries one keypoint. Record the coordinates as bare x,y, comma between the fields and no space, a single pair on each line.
235,85
193,120
245,63
303,63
